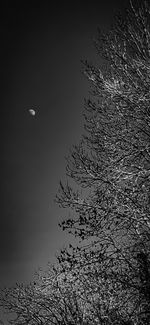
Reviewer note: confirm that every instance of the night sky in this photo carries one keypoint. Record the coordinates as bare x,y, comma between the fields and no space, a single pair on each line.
41,49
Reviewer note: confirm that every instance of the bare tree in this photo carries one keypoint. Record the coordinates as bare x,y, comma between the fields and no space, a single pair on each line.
111,168
57,298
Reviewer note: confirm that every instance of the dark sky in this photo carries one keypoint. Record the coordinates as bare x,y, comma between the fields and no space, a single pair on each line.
41,49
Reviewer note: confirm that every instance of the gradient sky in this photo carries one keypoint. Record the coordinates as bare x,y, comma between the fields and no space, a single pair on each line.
41,49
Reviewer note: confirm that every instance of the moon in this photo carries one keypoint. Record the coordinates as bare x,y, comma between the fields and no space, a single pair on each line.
32,112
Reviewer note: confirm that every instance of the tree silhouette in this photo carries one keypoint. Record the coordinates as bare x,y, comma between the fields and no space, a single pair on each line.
111,168
105,277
